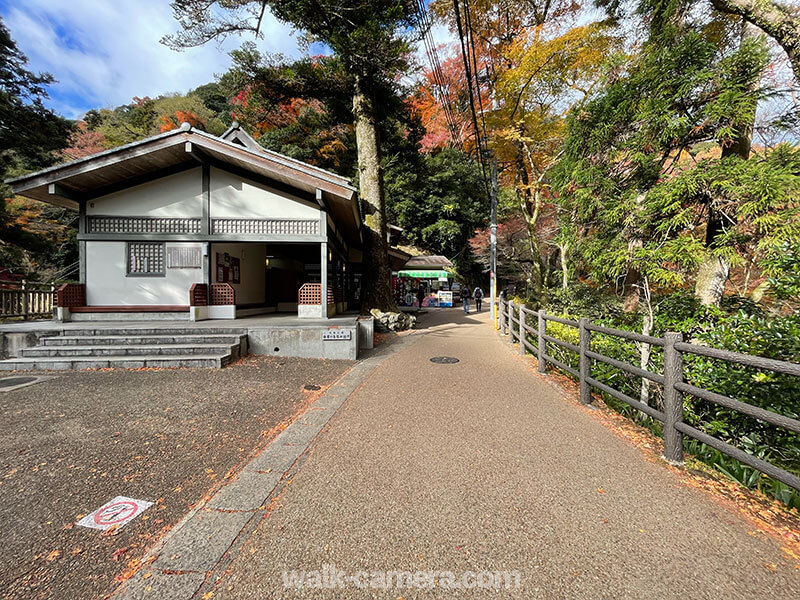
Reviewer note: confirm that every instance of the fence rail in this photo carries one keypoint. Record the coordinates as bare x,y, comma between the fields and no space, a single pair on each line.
512,323
26,299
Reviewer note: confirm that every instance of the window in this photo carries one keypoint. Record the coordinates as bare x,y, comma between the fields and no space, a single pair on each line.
146,259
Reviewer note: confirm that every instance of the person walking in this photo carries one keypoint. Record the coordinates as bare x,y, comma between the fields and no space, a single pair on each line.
465,296
478,295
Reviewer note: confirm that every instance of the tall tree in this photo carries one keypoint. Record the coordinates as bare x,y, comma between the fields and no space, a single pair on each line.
531,64
777,20
302,108
651,206
366,35
30,138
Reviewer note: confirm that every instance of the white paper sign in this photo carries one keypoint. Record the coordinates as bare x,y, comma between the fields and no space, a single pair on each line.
119,511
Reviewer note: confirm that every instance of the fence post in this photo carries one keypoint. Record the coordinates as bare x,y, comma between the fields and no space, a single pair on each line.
673,399
522,333
510,322
585,344
540,343
24,300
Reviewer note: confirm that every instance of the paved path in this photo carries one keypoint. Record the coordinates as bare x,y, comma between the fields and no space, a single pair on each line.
482,466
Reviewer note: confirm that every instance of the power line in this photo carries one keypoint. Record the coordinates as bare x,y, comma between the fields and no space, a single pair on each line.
468,73
491,181
475,70
440,83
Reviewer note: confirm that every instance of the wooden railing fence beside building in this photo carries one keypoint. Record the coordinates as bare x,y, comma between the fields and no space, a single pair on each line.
26,299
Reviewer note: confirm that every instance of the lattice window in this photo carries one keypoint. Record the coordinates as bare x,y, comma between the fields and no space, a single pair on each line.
146,258
266,226
143,225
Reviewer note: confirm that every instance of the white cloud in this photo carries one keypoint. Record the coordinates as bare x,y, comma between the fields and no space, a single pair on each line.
105,52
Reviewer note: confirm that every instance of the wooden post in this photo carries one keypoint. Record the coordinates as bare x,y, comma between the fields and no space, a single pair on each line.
510,322
323,278
540,342
673,399
501,315
24,300
522,332
585,345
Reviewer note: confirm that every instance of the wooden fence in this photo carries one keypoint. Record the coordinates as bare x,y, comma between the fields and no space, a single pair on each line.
26,299
512,322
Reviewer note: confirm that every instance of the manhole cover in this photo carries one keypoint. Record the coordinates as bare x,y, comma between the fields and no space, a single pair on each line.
444,360
14,381
311,388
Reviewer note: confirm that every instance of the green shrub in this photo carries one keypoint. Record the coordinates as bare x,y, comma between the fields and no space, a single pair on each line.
738,325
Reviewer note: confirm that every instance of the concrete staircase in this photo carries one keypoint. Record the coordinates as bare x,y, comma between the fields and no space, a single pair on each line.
132,348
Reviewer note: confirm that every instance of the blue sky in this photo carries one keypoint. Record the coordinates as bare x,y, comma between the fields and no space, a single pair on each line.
104,52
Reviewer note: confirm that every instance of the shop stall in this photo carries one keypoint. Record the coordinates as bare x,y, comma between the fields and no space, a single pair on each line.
423,282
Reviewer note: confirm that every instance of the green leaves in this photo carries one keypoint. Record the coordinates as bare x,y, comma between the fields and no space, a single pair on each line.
439,200
652,175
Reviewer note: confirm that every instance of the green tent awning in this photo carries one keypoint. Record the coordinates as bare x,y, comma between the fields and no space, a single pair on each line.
422,274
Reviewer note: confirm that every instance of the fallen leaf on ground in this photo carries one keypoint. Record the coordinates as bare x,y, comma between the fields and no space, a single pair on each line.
118,553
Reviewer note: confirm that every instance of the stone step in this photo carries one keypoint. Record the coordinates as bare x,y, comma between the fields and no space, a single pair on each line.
139,331
144,339
129,349
164,361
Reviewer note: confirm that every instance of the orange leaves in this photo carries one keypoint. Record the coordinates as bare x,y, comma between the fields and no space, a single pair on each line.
54,554
173,121
118,553
84,142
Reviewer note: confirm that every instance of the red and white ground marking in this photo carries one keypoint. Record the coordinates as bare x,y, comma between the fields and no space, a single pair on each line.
116,512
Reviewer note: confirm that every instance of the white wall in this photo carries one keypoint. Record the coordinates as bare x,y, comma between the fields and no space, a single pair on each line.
107,283
234,197
252,270
178,195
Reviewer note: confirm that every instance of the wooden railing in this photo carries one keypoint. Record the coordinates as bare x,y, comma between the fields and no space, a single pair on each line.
512,322
26,299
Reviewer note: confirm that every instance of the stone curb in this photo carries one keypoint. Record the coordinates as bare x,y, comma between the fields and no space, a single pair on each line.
193,556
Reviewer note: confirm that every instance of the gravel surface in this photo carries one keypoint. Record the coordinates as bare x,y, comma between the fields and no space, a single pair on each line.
481,466
71,443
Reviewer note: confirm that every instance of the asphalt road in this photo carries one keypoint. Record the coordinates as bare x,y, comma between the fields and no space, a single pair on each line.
481,466
72,443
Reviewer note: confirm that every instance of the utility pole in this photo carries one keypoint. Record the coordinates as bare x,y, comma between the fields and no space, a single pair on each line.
493,241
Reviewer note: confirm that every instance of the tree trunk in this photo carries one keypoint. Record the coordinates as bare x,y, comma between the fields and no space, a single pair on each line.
631,290
632,285
713,272
562,250
777,21
711,278
376,291
644,361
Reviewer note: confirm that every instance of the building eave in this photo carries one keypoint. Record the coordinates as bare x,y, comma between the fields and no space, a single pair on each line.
71,183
